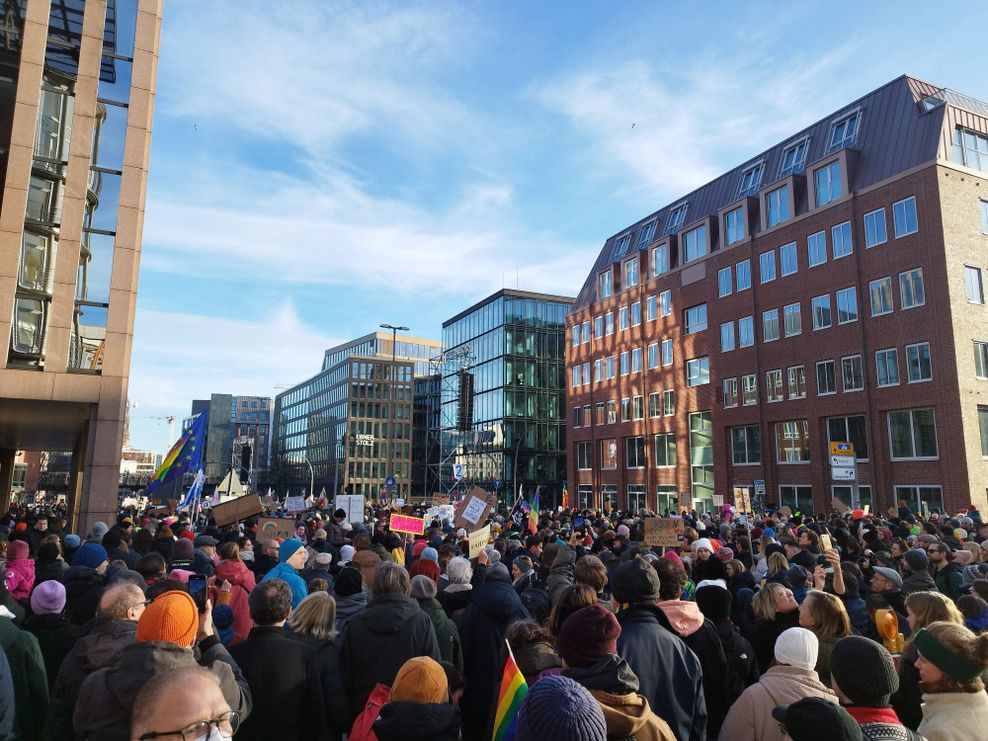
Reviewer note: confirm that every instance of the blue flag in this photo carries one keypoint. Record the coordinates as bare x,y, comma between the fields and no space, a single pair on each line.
184,457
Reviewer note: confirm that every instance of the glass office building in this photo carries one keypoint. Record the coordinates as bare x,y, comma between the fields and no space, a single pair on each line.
503,394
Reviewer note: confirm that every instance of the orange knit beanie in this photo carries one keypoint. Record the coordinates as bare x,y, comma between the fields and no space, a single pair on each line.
172,617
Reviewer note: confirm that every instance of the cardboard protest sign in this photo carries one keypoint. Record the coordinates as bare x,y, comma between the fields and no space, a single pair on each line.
237,509
438,499
295,504
275,527
478,539
406,524
474,509
842,509
268,501
664,532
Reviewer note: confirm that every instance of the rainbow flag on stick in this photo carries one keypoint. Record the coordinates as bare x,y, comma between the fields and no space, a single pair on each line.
533,513
184,457
565,496
513,691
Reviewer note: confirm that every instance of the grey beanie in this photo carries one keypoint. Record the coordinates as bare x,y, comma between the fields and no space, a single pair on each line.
423,587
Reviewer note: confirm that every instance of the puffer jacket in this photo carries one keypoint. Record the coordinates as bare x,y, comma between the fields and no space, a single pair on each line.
289,574
751,716
19,577
918,581
83,588
561,574
243,582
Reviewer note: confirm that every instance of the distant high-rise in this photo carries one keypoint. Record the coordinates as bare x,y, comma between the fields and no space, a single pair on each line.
77,82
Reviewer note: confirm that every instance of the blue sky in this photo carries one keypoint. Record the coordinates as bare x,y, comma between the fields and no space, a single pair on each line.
318,168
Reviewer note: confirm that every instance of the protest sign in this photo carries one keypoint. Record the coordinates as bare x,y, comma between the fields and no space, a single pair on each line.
718,500
441,512
664,532
841,508
353,505
294,504
478,539
474,509
237,509
406,524
275,527
438,499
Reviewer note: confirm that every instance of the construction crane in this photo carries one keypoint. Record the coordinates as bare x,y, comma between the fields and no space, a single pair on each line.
170,419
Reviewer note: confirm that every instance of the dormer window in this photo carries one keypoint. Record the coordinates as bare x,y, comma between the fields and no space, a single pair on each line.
844,132
794,158
677,216
647,233
751,179
621,246
606,284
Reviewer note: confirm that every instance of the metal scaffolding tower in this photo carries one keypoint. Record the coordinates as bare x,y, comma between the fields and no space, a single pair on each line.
445,440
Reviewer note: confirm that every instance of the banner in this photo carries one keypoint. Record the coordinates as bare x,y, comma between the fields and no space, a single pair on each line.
405,524
269,528
478,539
663,532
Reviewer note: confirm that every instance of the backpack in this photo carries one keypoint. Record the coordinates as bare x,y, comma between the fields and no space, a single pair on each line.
362,729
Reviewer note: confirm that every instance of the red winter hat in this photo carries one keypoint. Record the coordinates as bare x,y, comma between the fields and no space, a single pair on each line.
20,527
188,535
588,635
673,556
420,545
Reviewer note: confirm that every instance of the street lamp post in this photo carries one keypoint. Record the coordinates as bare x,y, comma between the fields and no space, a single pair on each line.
391,422
312,476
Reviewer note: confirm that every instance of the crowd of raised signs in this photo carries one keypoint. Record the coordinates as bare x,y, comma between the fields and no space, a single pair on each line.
564,624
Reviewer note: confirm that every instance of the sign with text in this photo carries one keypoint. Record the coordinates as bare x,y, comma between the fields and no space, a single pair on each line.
406,524
842,449
441,512
842,474
474,509
478,539
275,527
237,509
842,461
353,505
742,499
294,504
664,532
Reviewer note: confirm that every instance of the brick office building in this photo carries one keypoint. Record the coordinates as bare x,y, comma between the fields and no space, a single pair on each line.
829,289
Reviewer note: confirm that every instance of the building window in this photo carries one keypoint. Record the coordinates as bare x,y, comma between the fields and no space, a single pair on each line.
774,391
887,367
904,217
725,282
792,441
576,335
606,284
796,377
847,306
881,296
984,216
625,363
816,249
654,404
973,285
586,373
911,289
577,416
611,411
665,450
626,409
608,453
598,370
844,132
770,325
647,232
637,408
918,364
586,331
666,352
676,218
840,240
777,206
668,402
788,261
636,314
660,259
636,360
727,336
749,390
852,373
792,320
609,323
766,266
730,392
631,273
621,246
917,495
827,181
702,459
849,430
623,318
820,307
576,376
826,378
746,445
797,498
665,303
969,148
793,158
650,308
584,456
983,429
696,318
598,327
981,359
653,355
751,180
609,363
695,244
875,232
734,226
742,274
913,433
698,371
746,332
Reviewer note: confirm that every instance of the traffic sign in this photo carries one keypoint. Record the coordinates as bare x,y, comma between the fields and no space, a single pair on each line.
457,471
842,449
759,485
390,481
842,461
842,474
497,484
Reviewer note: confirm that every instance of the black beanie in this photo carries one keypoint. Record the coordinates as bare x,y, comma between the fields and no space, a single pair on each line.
714,602
348,583
864,671
635,583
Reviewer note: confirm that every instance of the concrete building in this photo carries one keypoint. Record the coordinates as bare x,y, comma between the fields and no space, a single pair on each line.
829,289
239,434
503,415
351,426
76,103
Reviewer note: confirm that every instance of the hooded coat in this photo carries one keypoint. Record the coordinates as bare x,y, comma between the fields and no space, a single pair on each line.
83,588
751,718
413,721
19,576
379,640
918,581
289,574
495,605
669,674
446,633
243,582
55,636
27,668
348,606
535,658
615,688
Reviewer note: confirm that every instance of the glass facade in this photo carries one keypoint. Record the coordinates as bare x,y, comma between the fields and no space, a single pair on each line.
512,427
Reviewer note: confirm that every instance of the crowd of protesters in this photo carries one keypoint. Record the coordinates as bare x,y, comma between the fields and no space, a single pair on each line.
754,627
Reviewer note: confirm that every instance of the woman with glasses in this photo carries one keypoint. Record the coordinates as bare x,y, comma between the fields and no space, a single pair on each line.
183,705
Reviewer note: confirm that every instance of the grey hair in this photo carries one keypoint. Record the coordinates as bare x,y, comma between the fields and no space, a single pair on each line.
459,570
390,578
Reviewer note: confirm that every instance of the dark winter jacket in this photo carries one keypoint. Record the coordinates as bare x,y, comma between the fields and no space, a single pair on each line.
263,563
669,674
55,636
918,581
766,631
742,671
561,574
412,721
482,626
317,572
83,588
455,602
446,632
908,699
109,694
92,652
50,570
534,658
328,661
27,667
379,640
347,607
711,568
285,682
949,581
6,698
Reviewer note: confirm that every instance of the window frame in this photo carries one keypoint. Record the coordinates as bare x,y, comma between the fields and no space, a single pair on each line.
885,233
922,283
885,281
788,311
775,390
762,264
748,321
729,387
829,168
695,326
698,369
846,236
906,214
832,376
814,307
738,273
843,292
810,242
860,372
929,358
778,328
732,344
721,286
753,173
885,353
799,148
912,430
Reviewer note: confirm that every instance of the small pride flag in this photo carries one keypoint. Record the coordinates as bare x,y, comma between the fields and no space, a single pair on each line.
513,691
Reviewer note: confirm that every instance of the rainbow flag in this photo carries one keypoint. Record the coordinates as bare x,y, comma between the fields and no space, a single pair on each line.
533,513
184,457
513,691
565,496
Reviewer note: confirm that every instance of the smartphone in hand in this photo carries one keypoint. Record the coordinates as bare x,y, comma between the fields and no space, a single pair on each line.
197,590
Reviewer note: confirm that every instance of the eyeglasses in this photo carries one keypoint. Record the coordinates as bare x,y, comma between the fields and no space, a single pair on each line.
226,724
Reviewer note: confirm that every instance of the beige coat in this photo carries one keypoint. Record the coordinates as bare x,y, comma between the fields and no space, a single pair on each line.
750,717
954,716
629,716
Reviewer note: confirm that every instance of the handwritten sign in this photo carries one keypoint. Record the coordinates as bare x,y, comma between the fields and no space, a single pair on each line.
269,528
474,509
841,508
406,524
295,504
478,539
663,532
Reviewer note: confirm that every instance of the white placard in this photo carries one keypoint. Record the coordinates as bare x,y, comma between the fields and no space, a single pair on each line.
842,474
353,505
842,461
295,504
474,510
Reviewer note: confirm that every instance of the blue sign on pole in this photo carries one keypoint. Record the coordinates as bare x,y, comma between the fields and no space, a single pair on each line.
497,483
390,481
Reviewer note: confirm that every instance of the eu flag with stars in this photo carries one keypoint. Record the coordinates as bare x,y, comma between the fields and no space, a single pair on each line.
185,455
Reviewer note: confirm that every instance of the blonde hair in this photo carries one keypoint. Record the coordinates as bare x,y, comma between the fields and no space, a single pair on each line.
763,605
315,616
932,607
830,618
964,644
975,551
777,563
